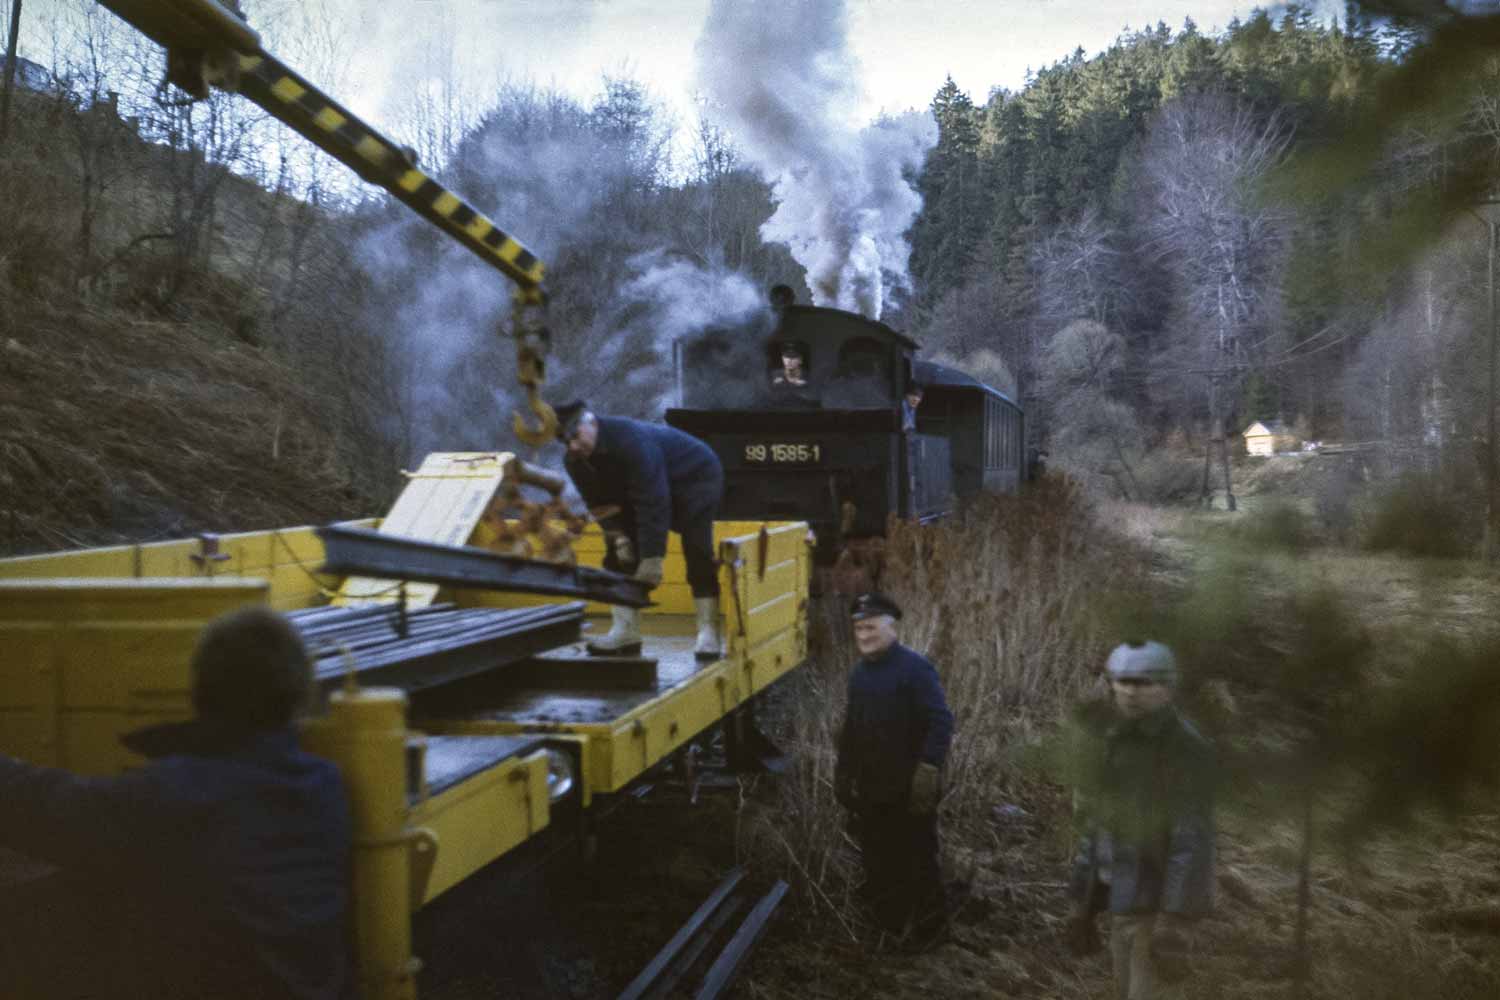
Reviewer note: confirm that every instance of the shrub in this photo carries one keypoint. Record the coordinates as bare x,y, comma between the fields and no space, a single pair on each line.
1416,517
1168,475
1278,524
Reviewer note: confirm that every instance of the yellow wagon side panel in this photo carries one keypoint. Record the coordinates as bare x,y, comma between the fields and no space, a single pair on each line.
480,819
286,558
88,660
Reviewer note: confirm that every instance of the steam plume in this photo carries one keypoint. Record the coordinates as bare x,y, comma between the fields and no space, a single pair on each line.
781,73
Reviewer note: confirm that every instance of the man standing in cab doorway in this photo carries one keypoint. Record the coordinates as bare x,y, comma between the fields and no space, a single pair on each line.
895,738
660,478
911,398
1143,804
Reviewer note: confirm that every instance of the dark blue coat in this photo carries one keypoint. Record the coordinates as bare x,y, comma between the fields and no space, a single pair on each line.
662,477
897,717
242,857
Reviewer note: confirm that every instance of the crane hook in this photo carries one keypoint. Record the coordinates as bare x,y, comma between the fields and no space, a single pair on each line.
533,340
546,428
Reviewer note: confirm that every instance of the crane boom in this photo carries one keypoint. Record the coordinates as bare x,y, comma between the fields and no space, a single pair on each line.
340,133
208,43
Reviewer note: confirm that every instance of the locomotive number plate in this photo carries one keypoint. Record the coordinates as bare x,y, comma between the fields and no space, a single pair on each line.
783,454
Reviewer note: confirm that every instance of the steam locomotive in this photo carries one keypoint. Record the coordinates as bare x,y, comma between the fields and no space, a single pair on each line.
833,446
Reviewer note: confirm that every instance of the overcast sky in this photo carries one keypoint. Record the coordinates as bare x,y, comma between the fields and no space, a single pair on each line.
905,47
371,53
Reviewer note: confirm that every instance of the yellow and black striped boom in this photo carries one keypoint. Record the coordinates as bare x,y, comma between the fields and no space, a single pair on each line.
207,32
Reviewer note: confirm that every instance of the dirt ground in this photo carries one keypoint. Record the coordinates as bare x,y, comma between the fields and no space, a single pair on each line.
1410,915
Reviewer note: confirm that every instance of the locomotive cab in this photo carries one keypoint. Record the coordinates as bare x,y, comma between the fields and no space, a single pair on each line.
803,406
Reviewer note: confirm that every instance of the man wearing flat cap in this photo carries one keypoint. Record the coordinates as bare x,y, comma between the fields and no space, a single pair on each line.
1143,805
659,478
895,737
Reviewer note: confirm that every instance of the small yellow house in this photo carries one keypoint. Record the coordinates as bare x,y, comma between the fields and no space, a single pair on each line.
1267,437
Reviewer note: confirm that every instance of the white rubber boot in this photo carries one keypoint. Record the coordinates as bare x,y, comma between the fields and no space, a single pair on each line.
709,646
624,635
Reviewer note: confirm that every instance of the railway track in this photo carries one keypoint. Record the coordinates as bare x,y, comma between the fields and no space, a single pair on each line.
706,954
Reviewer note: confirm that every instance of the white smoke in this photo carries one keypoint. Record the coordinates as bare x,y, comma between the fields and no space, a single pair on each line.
661,301
567,181
781,75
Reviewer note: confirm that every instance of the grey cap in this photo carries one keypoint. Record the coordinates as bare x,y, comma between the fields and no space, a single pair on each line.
1148,659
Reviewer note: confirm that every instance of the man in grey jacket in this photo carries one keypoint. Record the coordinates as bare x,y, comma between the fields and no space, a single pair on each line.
1144,809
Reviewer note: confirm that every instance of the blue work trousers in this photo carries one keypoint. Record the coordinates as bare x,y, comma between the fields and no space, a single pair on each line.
693,513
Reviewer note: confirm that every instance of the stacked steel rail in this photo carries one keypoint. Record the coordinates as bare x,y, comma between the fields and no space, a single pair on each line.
424,647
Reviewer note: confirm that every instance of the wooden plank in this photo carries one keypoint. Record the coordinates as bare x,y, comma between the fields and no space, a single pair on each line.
482,817
250,551
778,615
443,502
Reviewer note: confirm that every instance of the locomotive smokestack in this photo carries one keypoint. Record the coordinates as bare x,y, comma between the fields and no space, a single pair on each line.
782,296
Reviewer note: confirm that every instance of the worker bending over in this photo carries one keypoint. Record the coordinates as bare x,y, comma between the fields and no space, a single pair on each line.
659,478
220,868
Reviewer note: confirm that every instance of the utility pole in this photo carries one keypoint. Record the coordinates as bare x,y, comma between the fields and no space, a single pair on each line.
1489,406
10,67
1488,212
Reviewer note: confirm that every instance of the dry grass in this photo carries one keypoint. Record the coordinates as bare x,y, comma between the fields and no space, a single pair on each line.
1016,631
999,598
121,420
116,428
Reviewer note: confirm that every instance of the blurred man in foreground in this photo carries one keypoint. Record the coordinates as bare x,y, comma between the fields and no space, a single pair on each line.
1144,808
218,869
889,772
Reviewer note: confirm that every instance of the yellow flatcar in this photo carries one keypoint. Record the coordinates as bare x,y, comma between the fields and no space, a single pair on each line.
97,644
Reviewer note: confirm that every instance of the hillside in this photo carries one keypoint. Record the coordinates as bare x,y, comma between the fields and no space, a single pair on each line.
150,388
118,426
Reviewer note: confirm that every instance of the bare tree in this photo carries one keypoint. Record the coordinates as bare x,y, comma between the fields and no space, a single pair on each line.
12,39
90,49
1083,273
716,216
1412,385
1080,373
1202,160
439,104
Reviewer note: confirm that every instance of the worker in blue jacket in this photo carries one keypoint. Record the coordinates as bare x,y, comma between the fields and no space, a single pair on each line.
660,478
895,737
220,868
